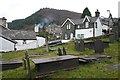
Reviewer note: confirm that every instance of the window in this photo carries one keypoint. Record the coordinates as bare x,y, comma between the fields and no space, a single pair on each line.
80,36
86,24
68,26
24,41
66,36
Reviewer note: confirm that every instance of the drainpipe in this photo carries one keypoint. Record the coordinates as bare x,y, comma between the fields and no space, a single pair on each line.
93,33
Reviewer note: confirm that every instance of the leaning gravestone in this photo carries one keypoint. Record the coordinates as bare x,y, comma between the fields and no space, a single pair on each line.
59,52
98,46
111,38
82,47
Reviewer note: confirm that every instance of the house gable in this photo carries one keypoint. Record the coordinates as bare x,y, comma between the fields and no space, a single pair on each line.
68,19
86,19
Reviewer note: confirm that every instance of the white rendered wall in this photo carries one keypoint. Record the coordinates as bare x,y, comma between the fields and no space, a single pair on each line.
30,44
98,30
87,32
40,41
6,45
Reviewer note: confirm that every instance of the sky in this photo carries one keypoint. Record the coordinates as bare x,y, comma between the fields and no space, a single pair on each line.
20,9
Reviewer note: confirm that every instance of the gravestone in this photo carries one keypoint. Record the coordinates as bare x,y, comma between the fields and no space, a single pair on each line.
82,47
111,38
59,52
77,45
64,51
98,46
116,36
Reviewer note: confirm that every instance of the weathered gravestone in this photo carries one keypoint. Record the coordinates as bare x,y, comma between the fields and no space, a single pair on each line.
82,47
64,51
77,45
112,38
98,46
116,36
59,52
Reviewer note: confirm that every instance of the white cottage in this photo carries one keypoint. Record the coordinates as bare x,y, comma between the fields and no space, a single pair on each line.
24,39
6,44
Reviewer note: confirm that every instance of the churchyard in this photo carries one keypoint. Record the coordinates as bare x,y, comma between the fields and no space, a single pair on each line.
95,61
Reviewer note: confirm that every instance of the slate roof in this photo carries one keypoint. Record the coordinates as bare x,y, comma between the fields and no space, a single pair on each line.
20,35
77,21
93,19
106,20
80,21
7,38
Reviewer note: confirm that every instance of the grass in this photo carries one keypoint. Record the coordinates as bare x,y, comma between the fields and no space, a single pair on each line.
97,69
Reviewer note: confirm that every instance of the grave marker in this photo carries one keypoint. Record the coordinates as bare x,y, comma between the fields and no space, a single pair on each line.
98,46
111,38
64,51
77,45
59,52
82,47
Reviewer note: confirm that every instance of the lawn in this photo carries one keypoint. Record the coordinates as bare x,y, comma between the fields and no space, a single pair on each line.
97,69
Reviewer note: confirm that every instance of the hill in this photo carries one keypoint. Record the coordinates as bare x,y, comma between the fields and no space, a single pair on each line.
43,16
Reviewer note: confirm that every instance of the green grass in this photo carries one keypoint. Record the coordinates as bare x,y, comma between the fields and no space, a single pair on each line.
97,69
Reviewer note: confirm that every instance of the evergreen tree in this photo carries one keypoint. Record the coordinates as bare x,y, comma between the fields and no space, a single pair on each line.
86,12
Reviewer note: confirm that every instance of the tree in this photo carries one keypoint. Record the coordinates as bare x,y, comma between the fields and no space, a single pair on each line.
86,12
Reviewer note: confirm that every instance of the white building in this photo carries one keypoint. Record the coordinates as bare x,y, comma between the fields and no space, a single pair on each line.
24,39
86,27
93,28
6,44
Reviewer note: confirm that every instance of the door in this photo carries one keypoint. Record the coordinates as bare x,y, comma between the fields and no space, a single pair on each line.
71,36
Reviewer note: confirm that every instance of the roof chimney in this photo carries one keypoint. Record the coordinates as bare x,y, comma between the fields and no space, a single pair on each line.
4,21
97,13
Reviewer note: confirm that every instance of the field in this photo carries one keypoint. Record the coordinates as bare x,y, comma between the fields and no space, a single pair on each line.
97,69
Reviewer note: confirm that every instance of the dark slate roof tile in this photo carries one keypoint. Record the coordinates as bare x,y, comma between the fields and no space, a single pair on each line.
20,35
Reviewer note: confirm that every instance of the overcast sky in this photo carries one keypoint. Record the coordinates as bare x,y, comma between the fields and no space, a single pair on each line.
18,9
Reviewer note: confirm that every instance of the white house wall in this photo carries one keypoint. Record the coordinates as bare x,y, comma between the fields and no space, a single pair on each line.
41,41
30,44
98,30
6,45
87,32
